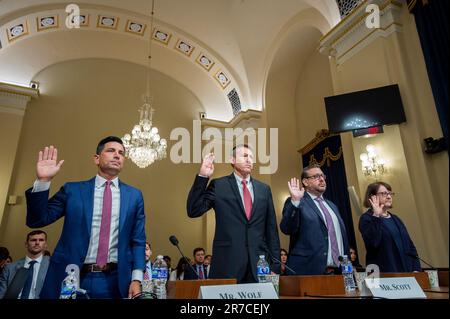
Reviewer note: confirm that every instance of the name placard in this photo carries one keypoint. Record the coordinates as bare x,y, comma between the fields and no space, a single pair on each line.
395,288
239,291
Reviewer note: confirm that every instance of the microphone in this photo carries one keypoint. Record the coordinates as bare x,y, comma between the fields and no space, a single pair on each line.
417,257
174,242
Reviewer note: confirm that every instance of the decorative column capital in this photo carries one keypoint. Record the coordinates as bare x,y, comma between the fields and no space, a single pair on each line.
14,98
360,28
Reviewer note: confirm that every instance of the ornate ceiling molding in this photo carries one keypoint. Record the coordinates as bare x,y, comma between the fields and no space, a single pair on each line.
352,34
107,19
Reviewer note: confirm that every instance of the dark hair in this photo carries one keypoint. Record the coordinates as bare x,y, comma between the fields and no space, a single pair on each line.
207,256
282,249
239,146
372,189
197,250
36,232
308,168
47,253
101,144
167,258
4,253
181,266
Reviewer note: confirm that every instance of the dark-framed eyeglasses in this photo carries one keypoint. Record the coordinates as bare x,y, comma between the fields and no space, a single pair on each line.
317,176
385,194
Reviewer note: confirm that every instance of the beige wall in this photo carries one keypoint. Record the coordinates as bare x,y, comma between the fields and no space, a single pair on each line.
10,126
294,104
420,179
83,101
314,84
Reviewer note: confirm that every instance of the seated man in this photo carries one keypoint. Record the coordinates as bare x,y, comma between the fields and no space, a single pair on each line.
199,267
24,278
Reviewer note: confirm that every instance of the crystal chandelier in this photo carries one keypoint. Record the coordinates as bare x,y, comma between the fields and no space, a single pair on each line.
144,145
372,165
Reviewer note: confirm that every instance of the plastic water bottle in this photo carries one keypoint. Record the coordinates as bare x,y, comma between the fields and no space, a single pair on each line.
159,277
262,269
69,287
347,272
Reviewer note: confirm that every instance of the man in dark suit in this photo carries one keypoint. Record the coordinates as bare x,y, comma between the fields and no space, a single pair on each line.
317,232
245,217
26,284
103,232
198,266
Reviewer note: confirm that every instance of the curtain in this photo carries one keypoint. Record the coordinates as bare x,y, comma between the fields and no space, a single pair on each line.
432,26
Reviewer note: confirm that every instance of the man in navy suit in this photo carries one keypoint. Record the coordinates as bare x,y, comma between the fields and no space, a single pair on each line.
246,225
103,231
198,266
317,232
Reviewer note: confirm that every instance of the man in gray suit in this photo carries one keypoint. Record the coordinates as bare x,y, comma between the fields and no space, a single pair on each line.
24,278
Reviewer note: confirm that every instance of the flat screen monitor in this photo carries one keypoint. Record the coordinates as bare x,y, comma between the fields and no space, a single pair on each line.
364,109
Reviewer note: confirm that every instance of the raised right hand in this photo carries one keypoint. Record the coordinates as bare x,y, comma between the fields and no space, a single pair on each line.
377,208
207,168
47,166
296,189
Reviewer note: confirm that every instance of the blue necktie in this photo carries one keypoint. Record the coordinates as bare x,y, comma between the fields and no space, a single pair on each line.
200,272
27,286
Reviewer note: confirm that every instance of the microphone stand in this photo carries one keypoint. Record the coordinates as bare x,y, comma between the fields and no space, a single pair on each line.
187,261
278,261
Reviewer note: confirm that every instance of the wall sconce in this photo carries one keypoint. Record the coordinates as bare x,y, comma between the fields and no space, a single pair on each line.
372,165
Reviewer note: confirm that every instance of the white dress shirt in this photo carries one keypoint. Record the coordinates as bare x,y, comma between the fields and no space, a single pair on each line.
36,268
99,189
241,187
337,228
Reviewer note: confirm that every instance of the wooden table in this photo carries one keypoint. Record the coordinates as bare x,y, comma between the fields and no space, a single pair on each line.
320,287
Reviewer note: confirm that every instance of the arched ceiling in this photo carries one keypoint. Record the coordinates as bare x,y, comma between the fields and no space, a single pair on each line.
238,36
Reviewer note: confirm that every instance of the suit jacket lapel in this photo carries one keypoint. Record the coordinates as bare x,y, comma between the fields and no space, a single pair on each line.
338,215
20,263
311,203
41,275
234,187
255,193
124,200
87,194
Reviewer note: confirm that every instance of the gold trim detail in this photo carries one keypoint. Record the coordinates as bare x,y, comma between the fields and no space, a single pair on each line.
413,4
201,55
42,28
86,20
11,38
141,32
104,26
223,85
177,47
166,41
327,157
320,136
